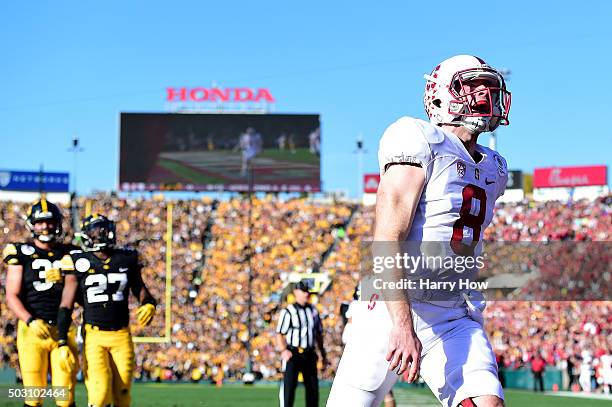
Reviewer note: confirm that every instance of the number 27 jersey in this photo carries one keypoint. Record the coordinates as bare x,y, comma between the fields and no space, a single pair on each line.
104,286
459,195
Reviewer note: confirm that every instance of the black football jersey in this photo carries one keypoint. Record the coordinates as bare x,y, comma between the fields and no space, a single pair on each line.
40,298
104,286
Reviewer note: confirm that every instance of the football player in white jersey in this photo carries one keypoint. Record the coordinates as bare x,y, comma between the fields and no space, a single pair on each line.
437,185
250,144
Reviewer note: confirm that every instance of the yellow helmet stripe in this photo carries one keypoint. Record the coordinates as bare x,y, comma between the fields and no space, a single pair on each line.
43,205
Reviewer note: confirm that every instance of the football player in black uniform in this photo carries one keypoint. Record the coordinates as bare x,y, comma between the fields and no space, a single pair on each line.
33,293
103,276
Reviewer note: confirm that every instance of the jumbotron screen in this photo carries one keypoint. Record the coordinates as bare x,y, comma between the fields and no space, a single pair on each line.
219,152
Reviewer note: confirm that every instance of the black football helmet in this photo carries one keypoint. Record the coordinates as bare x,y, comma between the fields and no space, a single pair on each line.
44,210
97,233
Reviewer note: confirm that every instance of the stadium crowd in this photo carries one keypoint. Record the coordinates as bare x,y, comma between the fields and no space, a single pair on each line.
215,243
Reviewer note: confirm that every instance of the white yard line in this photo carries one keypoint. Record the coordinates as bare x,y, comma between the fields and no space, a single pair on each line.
407,398
581,395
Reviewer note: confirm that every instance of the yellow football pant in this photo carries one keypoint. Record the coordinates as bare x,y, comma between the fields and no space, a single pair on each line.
34,355
109,366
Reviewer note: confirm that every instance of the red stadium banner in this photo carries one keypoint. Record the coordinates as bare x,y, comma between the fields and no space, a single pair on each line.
569,177
370,183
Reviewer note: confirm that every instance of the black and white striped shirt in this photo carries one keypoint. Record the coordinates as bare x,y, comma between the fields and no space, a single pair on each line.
300,325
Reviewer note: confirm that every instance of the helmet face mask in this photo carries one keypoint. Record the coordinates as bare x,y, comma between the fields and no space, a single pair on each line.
49,214
456,84
97,233
46,233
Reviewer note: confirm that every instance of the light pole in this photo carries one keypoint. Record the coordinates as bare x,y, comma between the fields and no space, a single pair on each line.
360,151
251,175
75,148
493,137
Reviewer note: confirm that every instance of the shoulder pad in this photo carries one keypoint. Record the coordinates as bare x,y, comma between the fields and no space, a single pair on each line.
500,163
432,133
10,254
10,250
404,142
405,125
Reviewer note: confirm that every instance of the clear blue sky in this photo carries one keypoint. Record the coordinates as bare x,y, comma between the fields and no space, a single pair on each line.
69,68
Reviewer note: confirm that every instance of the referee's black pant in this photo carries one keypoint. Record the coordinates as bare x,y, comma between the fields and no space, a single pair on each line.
305,361
538,381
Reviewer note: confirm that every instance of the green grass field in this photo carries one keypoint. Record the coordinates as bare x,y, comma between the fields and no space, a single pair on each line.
186,172
301,155
223,166
183,395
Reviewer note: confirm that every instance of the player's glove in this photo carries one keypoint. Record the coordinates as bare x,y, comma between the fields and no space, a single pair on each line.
53,275
145,314
39,328
66,358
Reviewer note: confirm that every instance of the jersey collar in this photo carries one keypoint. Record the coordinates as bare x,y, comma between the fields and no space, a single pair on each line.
461,147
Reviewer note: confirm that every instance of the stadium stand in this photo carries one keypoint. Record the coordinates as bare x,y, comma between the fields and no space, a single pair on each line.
209,279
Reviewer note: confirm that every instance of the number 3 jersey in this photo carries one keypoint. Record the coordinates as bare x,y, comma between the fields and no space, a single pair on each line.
457,201
104,286
41,299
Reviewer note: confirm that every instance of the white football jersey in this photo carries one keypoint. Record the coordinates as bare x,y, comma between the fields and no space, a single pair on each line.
459,194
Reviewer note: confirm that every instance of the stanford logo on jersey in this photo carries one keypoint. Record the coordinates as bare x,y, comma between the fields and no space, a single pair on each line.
460,169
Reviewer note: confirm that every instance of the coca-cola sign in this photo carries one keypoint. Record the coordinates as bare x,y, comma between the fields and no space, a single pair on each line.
200,94
569,177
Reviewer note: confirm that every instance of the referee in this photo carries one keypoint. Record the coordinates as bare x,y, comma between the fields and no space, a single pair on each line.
299,327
